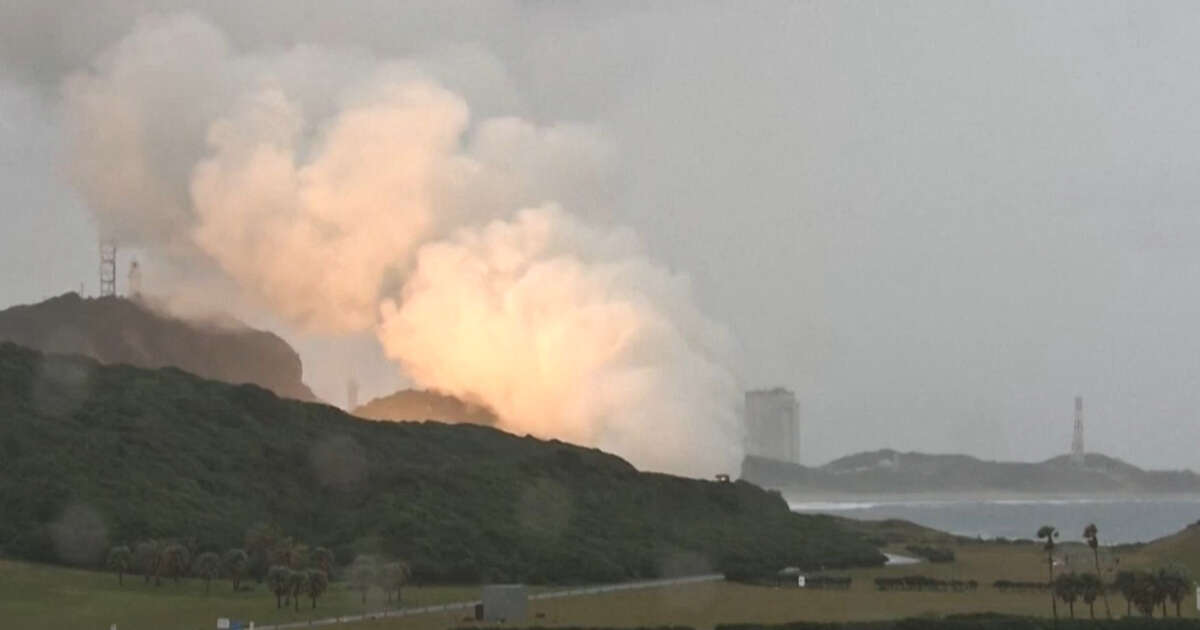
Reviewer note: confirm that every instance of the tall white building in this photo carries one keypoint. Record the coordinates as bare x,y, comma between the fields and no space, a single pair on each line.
773,424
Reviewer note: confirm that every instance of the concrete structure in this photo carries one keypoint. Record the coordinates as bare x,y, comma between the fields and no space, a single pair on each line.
505,603
1077,440
773,425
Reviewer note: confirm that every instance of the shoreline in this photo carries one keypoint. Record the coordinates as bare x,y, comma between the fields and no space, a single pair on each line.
867,500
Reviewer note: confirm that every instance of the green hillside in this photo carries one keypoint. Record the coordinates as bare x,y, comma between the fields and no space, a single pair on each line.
94,455
1182,547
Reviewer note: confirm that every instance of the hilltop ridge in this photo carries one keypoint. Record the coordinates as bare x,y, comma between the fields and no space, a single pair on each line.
116,330
94,455
888,471
416,404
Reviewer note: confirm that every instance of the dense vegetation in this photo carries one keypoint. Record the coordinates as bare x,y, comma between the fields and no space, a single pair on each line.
93,456
1019,586
924,583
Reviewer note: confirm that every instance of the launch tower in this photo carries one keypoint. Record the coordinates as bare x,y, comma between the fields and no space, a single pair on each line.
1077,440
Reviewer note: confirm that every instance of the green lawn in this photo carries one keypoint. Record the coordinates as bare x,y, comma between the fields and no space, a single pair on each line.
705,605
36,597
39,597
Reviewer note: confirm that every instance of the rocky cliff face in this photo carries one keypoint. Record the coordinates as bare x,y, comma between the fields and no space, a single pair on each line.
117,330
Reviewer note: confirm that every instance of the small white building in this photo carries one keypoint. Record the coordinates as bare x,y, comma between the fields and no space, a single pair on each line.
505,603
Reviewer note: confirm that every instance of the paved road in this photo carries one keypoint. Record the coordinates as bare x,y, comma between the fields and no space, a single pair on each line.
441,608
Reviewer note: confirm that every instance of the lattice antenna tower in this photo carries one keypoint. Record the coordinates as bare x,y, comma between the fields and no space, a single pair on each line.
1077,440
108,267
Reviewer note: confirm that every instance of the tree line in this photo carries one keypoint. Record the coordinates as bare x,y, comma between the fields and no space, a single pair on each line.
290,569
828,582
1019,585
924,583
1144,590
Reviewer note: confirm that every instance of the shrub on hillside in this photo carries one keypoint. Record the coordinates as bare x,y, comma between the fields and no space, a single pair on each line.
924,583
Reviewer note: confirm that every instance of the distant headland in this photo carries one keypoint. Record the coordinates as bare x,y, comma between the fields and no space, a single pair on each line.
891,472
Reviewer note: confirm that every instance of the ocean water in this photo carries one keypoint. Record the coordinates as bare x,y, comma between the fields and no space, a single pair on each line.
1120,519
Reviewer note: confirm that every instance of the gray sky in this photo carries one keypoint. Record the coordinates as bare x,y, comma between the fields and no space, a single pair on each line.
937,222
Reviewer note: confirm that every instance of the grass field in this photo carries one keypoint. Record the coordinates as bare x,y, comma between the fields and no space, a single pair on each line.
37,597
705,605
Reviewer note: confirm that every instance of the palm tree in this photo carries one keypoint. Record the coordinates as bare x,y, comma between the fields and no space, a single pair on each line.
1090,587
392,578
1066,587
316,584
147,556
260,539
1175,583
362,575
175,560
1049,533
207,566
1126,583
236,561
322,560
297,584
1091,534
120,559
277,581
287,553
1145,592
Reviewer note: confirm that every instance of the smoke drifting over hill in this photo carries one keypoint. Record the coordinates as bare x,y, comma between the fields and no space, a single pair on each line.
345,193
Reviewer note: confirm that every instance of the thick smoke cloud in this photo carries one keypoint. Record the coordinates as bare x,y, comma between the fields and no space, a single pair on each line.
344,193
568,331
936,222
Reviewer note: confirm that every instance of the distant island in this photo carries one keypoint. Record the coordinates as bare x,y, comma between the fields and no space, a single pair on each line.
891,472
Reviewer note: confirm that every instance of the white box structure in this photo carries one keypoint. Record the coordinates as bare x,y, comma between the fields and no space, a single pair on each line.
505,602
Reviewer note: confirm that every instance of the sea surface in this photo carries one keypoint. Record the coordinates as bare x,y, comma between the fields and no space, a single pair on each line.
1120,519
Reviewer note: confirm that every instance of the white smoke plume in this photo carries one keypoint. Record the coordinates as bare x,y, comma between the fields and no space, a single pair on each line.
343,193
567,331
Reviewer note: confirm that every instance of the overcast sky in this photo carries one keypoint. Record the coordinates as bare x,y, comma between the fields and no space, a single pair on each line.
937,222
